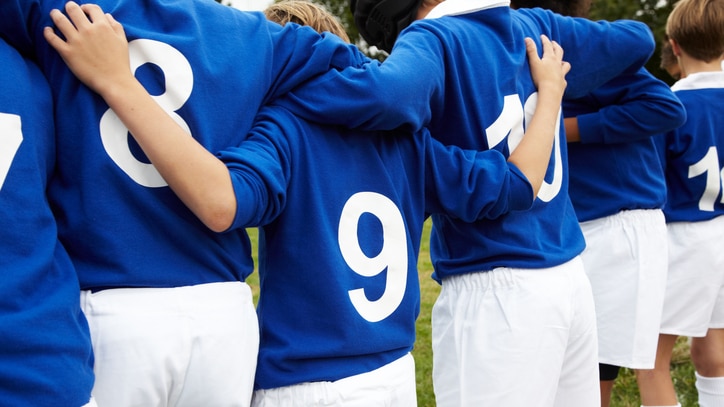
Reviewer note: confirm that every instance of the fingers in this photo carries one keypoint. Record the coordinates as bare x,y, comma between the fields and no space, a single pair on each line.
56,42
531,49
551,48
117,27
62,23
85,15
93,12
565,67
79,18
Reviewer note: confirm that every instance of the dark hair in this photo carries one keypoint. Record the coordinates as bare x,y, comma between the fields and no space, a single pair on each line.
381,21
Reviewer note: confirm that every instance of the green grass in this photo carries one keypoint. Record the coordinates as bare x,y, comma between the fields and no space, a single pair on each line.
625,391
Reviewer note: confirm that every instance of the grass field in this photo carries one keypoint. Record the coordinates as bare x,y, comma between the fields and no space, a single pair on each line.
625,392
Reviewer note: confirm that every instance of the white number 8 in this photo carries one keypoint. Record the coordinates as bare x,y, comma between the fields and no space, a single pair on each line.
392,256
179,83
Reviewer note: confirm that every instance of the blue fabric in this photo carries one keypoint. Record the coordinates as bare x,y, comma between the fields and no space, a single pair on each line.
615,166
213,66
693,154
45,349
296,178
458,75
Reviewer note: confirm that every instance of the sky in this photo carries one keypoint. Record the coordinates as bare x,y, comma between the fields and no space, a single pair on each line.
257,5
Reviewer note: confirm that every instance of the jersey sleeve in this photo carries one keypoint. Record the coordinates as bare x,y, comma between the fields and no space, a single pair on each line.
16,22
260,171
472,185
636,106
402,88
598,51
301,53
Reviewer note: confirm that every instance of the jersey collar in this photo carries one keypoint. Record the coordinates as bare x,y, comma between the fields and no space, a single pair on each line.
457,7
701,80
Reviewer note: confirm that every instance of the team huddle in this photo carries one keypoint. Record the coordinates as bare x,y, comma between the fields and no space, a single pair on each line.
575,203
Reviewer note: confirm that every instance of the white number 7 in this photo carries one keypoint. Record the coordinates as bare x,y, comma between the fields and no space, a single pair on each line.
11,136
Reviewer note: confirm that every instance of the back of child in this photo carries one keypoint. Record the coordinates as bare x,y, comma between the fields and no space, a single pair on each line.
45,347
693,158
342,217
342,214
462,72
618,190
156,281
353,202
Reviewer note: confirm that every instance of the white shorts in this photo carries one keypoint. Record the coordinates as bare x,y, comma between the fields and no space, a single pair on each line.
694,299
516,337
391,385
626,263
187,346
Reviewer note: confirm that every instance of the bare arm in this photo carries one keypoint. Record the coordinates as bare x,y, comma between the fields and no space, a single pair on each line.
534,151
96,50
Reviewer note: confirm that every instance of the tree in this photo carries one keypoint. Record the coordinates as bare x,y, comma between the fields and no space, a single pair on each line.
651,12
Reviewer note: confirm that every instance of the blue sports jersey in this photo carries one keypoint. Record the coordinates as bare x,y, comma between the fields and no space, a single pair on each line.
615,166
464,72
45,349
343,214
693,154
211,66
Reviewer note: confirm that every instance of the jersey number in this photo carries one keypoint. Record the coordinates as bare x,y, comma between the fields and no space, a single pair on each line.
11,136
392,256
179,83
510,123
709,165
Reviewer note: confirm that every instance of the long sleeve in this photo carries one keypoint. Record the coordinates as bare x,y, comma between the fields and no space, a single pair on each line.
634,107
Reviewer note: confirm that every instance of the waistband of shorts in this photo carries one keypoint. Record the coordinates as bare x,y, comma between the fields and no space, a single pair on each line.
505,276
639,217
194,297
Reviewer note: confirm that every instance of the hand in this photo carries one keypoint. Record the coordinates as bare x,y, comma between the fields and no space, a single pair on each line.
548,72
95,46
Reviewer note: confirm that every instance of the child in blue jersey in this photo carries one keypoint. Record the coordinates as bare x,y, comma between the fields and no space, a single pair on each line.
692,157
171,319
617,188
515,321
45,348
342,212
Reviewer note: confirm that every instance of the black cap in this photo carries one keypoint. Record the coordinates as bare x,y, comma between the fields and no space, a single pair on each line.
380,21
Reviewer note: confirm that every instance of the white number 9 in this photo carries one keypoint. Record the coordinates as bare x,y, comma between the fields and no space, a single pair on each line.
392,256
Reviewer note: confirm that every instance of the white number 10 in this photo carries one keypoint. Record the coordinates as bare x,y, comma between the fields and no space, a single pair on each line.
392,256
709,165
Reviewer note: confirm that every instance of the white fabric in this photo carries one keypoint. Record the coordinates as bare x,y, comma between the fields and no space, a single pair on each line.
516,337
710,391
187,346
694,299
391,385
626,262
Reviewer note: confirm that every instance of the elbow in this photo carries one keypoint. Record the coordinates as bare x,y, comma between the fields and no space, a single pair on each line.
219,218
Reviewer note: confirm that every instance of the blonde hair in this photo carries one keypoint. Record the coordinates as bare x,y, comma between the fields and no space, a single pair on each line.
304,12
697,26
